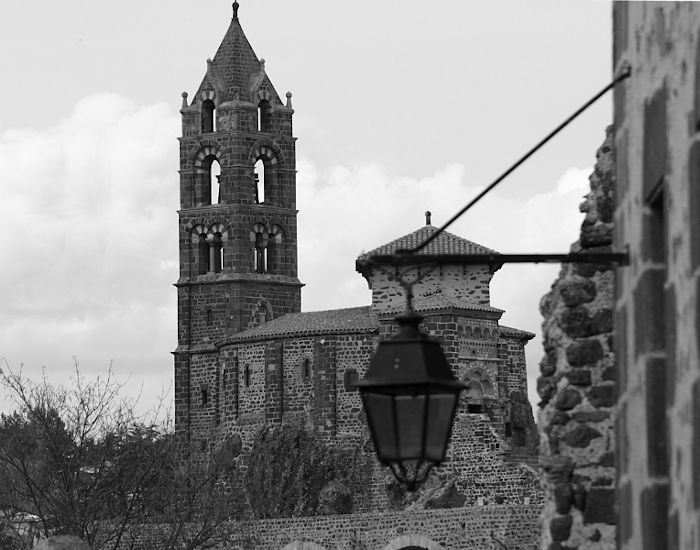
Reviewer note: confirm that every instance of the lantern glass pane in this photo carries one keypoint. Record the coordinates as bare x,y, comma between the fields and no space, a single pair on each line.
378,409
440,412
410,423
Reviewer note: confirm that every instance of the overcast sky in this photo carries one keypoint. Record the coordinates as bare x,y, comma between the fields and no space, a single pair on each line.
401,107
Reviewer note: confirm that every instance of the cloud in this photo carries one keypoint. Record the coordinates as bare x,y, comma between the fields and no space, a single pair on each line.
90,239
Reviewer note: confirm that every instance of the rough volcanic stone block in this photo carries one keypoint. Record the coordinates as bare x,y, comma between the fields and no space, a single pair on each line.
579,377
590,416
584,352
576,290
602,321
696,443
657,431
602,395
626,513
581,435
654,516
563,497
567,399
600,506
576,322
655,156
649,329
560,528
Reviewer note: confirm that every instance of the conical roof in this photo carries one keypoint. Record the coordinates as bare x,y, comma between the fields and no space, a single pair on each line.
445,243
235,65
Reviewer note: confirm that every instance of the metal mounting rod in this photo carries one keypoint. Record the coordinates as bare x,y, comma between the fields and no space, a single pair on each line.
624,73
619,258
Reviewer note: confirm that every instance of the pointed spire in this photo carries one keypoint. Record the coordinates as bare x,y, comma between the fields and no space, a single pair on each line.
235,64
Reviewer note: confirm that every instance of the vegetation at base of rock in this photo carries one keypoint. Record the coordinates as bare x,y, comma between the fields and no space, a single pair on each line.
292,472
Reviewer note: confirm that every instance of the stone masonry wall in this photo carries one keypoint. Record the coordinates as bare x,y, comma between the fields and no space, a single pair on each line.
476,528
657,216
468,283
577,385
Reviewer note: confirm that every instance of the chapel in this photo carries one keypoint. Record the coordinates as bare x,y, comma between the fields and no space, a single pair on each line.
249,357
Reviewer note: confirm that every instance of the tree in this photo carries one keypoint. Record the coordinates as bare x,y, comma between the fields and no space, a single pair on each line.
78,460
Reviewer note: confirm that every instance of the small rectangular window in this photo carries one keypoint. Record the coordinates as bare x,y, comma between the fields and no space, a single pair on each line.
350,379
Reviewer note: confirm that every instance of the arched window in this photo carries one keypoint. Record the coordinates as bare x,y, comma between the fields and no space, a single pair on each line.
264,116
215,181
208,118
207,187
259,175
203,254
475,397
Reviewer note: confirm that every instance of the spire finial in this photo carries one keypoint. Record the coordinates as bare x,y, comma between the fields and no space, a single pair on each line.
184,100
427,217
235,10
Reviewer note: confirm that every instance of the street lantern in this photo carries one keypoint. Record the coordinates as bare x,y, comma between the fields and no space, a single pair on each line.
409,393
410,397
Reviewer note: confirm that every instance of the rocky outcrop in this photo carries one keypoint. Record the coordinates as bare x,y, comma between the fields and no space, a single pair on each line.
577,383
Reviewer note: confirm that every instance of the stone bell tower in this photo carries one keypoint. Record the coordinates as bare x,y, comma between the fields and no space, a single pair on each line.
238,228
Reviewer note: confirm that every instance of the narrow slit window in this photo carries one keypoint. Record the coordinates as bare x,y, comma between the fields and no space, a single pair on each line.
306,370
216,253
246,376
264,116
208,116
205,397
203,253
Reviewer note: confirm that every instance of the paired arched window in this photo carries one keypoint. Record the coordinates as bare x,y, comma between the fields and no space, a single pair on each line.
208,116
268,249
208,253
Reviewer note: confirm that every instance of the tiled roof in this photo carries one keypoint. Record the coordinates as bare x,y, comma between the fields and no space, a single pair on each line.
445,243
335,321
444,301
516,332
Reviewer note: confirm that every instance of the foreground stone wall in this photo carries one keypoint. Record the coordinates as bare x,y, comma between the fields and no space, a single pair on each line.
477,528
577,384
658,295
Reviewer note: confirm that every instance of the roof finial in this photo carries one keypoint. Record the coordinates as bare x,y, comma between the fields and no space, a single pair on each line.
235,9
289,100
184,100
427,217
